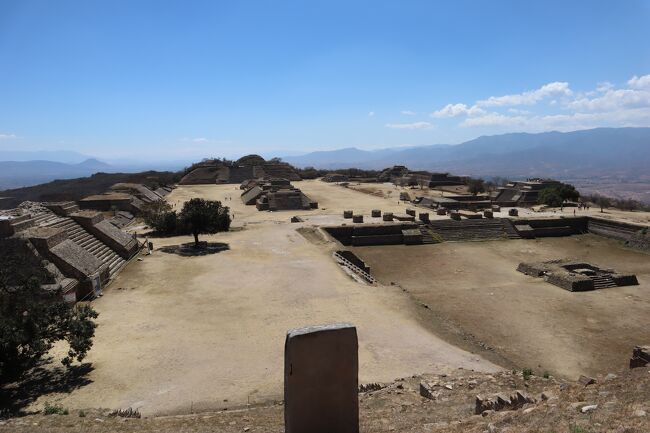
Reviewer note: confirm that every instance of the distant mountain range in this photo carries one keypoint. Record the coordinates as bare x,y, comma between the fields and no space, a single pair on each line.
15,174
64,156
595,152
612,161
22,169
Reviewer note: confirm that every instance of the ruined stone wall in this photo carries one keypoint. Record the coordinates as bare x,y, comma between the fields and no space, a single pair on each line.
578,224
390,239
533,269
356,261
572,283
612,229
625,279
370,234
640,241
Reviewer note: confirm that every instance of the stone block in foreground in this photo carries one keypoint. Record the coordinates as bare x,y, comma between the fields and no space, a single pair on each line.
321,379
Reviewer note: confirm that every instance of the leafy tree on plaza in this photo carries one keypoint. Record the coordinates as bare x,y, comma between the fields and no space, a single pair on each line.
556,195
475,186
201,216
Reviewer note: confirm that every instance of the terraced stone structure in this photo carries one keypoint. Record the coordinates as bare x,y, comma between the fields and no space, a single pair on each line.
335,177
522,193
577,276
81,248
127,197
456,202
247,167
275,195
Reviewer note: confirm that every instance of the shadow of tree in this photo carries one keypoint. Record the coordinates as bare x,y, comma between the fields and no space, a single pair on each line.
189,250
41,380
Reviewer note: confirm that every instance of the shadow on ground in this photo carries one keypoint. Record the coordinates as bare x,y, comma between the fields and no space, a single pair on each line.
42,380
189,250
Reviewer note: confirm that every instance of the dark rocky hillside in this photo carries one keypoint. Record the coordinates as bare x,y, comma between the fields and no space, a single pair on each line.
75,189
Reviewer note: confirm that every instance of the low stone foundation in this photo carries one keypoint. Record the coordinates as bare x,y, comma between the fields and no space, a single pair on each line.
372,234
577,276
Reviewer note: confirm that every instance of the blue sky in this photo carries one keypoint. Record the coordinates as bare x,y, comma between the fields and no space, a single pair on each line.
187,79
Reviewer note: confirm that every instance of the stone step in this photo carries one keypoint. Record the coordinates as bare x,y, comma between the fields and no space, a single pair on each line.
603,281
94,247
22,225
87,240
116,266
105,253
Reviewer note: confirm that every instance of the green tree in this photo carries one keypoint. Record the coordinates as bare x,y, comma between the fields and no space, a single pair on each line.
550,197
556,195
159,215
568,192
601,201
475,186
32,319
201,216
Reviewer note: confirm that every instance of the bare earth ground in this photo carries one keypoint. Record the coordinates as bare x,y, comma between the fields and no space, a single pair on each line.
199,333
622,406
179,334
532,323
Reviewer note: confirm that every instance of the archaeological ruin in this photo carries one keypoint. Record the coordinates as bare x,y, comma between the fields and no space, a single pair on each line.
248,167
577,276
80,250
402,176
275,195
125,197
523,193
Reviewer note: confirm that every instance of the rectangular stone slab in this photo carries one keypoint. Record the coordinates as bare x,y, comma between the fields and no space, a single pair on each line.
321,368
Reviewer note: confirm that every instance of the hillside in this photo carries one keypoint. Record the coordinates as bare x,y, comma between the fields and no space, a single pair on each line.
16,174
516,153
75,189
585,152
611,161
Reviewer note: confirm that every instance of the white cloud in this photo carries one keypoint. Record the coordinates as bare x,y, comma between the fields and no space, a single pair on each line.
530,97
408,113
604,86
563,122
371,114
8,136
414,125
454,110
197,140
605,105
642,82
517,111
494,119
613,100
203,140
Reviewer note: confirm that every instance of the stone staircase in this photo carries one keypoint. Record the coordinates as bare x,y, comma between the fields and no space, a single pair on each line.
87,241
428,237
354,268
602,281
509,228
474,229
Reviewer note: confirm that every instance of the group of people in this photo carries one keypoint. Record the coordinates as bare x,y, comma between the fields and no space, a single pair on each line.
581,206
